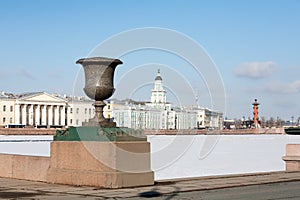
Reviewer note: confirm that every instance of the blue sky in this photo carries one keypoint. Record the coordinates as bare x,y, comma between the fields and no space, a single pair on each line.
254,44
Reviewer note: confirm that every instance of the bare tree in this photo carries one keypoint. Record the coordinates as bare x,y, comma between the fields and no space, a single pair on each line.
263,122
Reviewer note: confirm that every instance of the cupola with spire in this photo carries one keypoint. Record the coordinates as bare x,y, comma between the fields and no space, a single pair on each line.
158,94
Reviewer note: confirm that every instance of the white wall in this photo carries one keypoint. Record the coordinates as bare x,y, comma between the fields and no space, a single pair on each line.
79,112
7,114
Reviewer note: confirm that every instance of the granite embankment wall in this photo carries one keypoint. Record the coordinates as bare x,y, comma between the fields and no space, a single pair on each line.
24,167
99,164
292,157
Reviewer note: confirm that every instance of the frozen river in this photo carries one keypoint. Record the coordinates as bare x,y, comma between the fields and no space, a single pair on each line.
181,156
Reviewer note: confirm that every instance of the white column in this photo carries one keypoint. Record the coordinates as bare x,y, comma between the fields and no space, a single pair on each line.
56,115
24,114
50,115
37,115
44,115
17,114
30,115
63,116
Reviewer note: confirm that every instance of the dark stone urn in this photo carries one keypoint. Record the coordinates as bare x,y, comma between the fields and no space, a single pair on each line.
99,75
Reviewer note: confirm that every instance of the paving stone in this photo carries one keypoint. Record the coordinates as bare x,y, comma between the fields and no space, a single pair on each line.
42,190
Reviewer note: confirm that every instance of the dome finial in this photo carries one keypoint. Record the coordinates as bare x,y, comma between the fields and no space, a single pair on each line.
158,77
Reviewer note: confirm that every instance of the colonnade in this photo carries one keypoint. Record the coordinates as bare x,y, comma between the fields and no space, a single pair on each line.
40,115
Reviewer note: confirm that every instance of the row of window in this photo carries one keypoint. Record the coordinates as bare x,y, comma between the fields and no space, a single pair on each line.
77,121
4,120
158,95
85,111
4,108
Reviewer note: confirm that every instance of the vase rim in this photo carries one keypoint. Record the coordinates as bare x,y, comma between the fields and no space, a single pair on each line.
99,60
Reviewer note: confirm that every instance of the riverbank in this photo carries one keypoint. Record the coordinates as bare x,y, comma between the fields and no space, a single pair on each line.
44,131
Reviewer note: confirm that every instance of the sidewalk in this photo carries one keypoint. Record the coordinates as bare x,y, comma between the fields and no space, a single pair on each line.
12,188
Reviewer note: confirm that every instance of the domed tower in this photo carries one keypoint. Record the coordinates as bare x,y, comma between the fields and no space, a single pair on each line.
158,94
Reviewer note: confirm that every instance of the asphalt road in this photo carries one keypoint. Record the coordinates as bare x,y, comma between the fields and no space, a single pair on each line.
275,191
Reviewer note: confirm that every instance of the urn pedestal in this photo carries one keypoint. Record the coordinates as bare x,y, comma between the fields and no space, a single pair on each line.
99,153
100,164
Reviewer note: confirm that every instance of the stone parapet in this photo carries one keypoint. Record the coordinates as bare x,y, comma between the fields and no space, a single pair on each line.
24,167
292,158
99,164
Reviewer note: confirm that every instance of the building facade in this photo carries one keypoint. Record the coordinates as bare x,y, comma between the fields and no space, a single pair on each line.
159,114
42,110
135,116
7,110
79,110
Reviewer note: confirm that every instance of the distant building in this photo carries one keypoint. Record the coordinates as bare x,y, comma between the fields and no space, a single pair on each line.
133,115
79,110
40,109
7,110
159,114
229,124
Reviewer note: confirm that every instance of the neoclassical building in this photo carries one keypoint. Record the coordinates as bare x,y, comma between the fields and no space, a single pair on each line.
40,109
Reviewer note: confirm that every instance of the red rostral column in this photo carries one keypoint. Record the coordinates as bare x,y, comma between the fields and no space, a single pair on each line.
255,113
